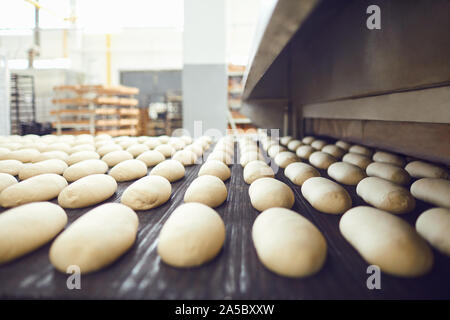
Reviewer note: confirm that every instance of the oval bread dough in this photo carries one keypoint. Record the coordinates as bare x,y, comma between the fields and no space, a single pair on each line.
103,150
285,140
221,156
152,142
208,190
215,168
87,191
192,236
431,190
288,244
434,225
166,150
283,159
299,172
334,150
80,156
387,241
274,150
385,195
361,150
318,144
115,157
321,160
151,158
268,193
346,173
128,170
386,157
137,149
357,159
326,196
42,187
61,155
47,166
343,145
96,239
25,228
85,168
186,157
304,152
250,156
22,155
421,169
308,140
6,180
172,170
257,169
294,144
147,193
388,172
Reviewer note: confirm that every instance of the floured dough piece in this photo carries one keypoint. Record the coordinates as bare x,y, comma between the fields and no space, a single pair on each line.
434,191
61,155
434,225
23,155
388,172
80,156
59,146
82,147
215,168
357,159
151,158
275,149
128,170
84,168
137,149
6,180
283,159
25,228
172,170
197,149
318,144
386,157
116,157
152,142
192,236
96,239
304,152
221,156
299,172
385,195
250,156
38,188
346,173
47,166
343,145
285,140
308,140
87,191
147,193
326,196
11,167
268,193
321,160
288,244
387,241
257,169
186,157
166,150
334,150
294,144
103,150
361,150
208,190
421,169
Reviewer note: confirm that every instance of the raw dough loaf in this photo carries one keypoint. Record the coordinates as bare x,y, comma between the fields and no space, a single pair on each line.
431,190
197,149
128,170
116,157
421,169
47,166
386,157
326,196
82,147
59,146
343,145
294,144
321,160
38,188
304,152
6,180
221,156
250,156
186,157
208,190
103,150
388,172
275,149
357,159
80,156
387,241
288,244
346,173
137,149
268,193
318,144
308,140
299,172
361,150
215,168
147,193
85,168
334,150
23,155
385,195
257,169
192,236
285,140
172,170
61,155
283,159
87,191
434,225
24,229
96,239
152,142
151,158
11,167
166,150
